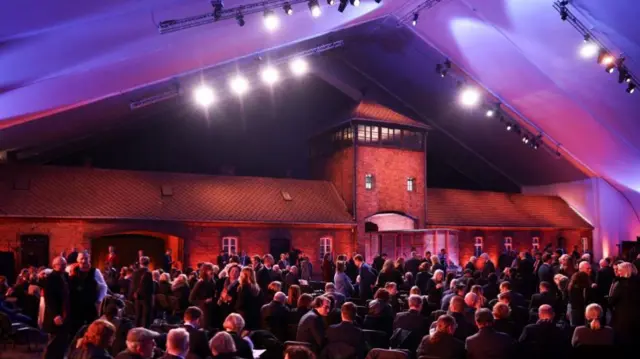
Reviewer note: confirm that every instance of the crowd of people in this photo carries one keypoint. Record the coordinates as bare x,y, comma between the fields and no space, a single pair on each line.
534,304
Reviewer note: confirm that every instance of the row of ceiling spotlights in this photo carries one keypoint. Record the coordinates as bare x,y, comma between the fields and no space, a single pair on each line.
205,95
471,97
272,21
591,48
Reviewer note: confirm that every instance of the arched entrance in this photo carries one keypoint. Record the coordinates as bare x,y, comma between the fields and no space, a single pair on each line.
127,246
388,232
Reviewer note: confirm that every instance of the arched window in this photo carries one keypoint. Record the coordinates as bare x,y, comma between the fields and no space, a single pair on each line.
585,244
508,243
326,246
478,246
230,245
535,243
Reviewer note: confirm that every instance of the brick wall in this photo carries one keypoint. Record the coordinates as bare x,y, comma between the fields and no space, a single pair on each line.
338,169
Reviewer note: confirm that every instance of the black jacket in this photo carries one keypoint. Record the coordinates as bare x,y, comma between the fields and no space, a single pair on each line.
274,318
411,320
445,347
141,285
56,299
348,333
540,299
488,343
465,329
544,340
311,330
198,341
545,273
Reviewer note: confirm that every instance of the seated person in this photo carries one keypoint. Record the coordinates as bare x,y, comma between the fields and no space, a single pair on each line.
412,320
544,339
441,344
594,333
222,346
347,332
488,343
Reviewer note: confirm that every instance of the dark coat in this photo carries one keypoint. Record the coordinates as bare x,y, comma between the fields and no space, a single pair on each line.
274,318
445,347
465,329
545,273
624,299
412,265
348,333
243,349
367,280
540,299
411,320
311,330
57,302
248,305
198,341
544,340
584,335
488,343
141,285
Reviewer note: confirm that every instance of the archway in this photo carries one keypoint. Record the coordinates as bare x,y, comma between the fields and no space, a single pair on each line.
127,246
391,221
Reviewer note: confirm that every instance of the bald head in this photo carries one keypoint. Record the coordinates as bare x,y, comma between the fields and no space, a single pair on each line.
584,267
545,312
280,297
59,264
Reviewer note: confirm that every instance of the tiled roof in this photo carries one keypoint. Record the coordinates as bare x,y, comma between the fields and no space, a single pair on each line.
376,112
59,192
447,207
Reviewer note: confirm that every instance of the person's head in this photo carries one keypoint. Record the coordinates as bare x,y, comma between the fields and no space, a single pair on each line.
100,333
84,260
382,295
341,266
247,276
222,343
547,258
505,298
388,266
505,287
438,275
348,312
144,261
329,287
234,272
501,311
141,341
456,305
322,305
544,287
415,290
592,314
584,267
274,286
155,275
206,271
305,301
293,270
453,284
358,260
626,270
112,249
545,312
415,302
111,311
140,253
471,300
603,263
233,323
192,316
459,289
391,287
484,318
280,298
268,261
178,342
293,295
298,352
446,324
59,264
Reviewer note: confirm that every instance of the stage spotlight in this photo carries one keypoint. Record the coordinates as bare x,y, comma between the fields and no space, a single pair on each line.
631,88
271,21
355,2
414,22
589,49
342,5
331,2
240,20
299,66
525,139
239,85
623,75
314,7
509,127
490,113
604,58
270,75
610,68
287,9
564,14
535,145
469,96
204,95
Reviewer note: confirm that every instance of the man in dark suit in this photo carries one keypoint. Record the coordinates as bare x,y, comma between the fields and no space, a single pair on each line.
491,290
292,278
457,311
198,340
411,320
167,261
142,293
488,343
56,310
263,274
274,316
412,264
244,260
544,339
545,271
311,326
604,280
368,278
346,332
516,298
546,296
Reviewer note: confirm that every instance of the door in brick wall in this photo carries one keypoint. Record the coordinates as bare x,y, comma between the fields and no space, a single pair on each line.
34,250
127,246
278,246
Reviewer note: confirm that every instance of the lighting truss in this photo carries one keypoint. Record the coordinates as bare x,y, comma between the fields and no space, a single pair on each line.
562,7
426,5
168,26
176,91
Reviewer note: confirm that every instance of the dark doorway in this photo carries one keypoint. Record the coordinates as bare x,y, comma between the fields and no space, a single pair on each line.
370,227
630,250
35,250
562,244
127,246
8,266
278,246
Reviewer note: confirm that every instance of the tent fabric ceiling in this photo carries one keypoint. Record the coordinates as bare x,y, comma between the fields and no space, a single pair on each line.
519,50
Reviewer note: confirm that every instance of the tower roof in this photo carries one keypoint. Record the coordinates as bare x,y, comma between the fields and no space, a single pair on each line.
373,111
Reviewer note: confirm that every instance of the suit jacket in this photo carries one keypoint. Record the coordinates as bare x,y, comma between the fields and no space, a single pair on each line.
584,335
446,347
311,330
274,318
412,265
348,333
465,329
56,301
544,340
411,320
141,287
243,349
490,291
604,279
367,279
542,298
545,273
198,341
488,343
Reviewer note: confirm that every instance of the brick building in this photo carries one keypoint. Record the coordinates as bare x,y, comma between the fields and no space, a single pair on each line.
372,197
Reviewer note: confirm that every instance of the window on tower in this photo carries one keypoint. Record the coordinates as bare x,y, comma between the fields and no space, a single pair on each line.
368,181
411,184
368,134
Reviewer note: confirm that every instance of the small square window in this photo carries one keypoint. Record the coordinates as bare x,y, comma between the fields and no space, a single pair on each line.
230,245
325,246
368,181
535,243
411,184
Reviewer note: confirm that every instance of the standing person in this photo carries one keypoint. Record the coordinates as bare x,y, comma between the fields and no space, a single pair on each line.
248,301
56,310
87,289
73,255
342,281
367,276
203,292
413,264
328,268
624,298
112,257
142,293
167,261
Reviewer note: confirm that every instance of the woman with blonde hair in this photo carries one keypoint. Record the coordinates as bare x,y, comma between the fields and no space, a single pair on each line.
624,299
222,346
249,301
180,290
594,332
435,287
96,341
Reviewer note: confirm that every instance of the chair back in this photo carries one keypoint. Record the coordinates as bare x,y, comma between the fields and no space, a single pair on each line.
376,339
291,343
387,354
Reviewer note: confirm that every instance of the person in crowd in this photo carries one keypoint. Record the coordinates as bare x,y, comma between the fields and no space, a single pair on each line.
623,299
394,300
367,277
311,327
274,316
347,332
203,292
491,289
488,343
263,271
87,289
303,307
167,261
328,267
299,352
412,265
198,342
283,262
579,297
389,273
73,255
594,332
293,295
543,338
112,257
457,290
164,284
142,293
545,296
441,343
457,311
412,320
292,277
234,325
181,291
141,344
57,307
423,276
342,282
96,341
124,282
502,322
487,265
545,270
177,344
122,326
604,280
274,287
435,287
330,290
248,302
222,346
